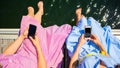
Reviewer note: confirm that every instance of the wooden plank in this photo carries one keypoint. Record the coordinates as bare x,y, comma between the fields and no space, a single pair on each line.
9,35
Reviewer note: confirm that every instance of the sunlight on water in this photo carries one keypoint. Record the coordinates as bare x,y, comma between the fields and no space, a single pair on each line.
95,5
88,10
78,6
51,5
67,0
53,0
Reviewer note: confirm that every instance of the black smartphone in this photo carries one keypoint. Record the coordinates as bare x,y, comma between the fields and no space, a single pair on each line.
87,31
32,31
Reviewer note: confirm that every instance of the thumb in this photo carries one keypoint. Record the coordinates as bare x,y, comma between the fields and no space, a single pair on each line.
91,39
31,38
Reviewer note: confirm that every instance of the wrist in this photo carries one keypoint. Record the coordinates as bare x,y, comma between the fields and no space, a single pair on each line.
37,45
22,36
38,48
79,45
99,43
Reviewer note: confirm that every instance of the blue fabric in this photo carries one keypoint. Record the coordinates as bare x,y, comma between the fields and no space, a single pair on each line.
110,42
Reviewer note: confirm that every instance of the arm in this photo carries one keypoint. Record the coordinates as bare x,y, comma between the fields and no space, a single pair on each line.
75,55
41,59
102,49
97,42
74,58
11,49
0,65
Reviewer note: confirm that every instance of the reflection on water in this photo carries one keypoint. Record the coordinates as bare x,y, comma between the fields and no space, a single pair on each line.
107,12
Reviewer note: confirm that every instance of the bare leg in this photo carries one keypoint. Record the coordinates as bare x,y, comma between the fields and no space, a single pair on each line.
78,15
30,11
38,15
102,65
0,66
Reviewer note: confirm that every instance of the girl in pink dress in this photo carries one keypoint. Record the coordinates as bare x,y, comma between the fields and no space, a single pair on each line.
43,51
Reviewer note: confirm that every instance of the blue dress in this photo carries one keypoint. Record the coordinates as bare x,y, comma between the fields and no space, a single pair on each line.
110,42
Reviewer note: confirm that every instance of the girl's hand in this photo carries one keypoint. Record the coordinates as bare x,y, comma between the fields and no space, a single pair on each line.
95,39
25,33
35,41
82,39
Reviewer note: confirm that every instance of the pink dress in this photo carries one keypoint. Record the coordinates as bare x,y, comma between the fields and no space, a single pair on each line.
51,40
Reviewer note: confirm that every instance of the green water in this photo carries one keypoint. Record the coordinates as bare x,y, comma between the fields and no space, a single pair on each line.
59,12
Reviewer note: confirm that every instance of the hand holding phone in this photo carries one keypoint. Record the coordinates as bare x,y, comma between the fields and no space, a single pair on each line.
87,31
31,31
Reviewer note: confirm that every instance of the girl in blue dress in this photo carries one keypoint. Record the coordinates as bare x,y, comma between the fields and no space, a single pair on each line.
101,50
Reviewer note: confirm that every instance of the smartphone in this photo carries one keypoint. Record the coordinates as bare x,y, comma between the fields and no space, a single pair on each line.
32,31
87,31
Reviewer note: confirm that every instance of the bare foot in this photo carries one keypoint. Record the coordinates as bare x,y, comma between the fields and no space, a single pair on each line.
31,11
38,15
40,6
78,15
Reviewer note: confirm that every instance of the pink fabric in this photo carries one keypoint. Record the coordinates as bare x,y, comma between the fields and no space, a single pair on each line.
51,40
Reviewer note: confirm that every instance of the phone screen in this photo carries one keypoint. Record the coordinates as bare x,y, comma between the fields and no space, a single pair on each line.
32,30
87,31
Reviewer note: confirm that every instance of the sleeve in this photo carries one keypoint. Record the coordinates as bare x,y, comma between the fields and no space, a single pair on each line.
73,38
